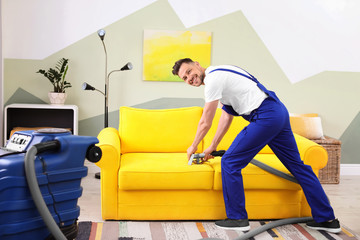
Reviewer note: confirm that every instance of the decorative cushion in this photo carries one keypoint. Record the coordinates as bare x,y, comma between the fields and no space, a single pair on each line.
15,129
307,125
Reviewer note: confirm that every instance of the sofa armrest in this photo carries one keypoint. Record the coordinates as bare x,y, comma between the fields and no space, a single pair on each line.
311,153
109,142
111,137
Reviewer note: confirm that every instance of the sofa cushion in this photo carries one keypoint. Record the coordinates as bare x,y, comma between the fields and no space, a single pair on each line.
163,171
166,130
237,125
256,178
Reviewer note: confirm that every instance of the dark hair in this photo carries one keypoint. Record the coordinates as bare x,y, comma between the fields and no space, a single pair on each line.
178,64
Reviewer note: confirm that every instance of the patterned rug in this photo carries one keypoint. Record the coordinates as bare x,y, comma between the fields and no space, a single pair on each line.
156,230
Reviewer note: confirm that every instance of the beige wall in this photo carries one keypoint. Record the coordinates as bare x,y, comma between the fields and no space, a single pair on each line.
333,95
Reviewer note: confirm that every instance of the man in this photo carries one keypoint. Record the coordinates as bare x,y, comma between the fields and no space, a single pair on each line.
242,95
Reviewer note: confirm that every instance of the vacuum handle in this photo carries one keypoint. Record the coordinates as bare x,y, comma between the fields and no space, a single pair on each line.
219,153
46,146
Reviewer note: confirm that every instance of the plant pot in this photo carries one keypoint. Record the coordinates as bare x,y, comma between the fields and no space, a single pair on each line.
57,98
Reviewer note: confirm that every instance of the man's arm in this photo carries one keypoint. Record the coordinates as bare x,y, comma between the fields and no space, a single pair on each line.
204,125
223,126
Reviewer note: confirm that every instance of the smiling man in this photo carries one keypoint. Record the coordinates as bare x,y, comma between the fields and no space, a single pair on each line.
241,94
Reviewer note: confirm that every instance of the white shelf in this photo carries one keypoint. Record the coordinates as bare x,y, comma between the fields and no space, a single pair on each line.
40,115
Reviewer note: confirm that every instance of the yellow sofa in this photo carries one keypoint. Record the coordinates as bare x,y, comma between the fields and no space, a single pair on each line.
145,175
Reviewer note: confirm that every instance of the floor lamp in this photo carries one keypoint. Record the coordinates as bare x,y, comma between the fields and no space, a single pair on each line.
86,86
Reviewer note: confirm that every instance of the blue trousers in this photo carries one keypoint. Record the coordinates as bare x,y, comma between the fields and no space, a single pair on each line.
269,125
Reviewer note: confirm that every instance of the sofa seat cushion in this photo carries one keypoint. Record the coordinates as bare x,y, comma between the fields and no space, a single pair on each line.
163,171
256,178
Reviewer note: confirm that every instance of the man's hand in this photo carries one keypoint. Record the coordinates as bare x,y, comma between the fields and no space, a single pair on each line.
190,151
208,152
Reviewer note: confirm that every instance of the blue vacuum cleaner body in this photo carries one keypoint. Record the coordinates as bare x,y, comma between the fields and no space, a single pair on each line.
58,172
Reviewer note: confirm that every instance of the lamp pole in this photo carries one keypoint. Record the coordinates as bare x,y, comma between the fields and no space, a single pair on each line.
101,34
87,86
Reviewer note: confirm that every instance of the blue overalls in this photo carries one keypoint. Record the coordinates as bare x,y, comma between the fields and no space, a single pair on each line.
269,125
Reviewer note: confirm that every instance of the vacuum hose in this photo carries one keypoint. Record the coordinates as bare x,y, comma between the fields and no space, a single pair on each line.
274,171
34,186
271,225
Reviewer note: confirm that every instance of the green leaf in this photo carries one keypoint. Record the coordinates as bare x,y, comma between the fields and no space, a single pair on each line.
57,75
61,65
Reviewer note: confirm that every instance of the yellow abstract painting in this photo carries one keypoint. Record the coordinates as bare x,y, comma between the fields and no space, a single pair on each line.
163,48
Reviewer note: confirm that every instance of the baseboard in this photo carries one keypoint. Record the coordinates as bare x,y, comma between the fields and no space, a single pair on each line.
349,169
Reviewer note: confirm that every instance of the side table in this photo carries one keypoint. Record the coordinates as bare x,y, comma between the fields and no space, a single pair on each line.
331,172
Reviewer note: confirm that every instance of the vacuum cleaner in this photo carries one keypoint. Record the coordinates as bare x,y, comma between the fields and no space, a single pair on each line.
196,158
40,183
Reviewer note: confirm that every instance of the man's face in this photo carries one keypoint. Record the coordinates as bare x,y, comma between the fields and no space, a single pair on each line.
192,74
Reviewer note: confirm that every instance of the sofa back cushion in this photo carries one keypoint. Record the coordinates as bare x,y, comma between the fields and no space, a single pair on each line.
165,130
237,125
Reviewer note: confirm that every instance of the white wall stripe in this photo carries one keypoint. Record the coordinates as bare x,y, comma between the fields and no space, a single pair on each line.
349,169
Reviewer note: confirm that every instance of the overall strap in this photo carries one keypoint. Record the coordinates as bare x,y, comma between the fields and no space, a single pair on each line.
251,77
229,109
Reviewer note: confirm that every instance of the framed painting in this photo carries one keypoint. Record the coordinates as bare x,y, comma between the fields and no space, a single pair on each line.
163,48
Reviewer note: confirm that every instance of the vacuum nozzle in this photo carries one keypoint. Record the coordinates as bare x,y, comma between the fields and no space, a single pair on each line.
196,157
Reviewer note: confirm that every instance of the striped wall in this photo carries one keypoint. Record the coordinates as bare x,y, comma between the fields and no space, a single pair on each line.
301,69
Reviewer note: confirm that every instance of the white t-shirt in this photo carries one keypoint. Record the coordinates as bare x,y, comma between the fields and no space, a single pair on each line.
233,89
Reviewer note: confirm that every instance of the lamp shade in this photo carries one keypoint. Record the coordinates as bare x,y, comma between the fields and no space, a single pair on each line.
86,86
101,34
128,66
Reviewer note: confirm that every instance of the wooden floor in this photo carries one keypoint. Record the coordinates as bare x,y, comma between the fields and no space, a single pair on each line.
344,197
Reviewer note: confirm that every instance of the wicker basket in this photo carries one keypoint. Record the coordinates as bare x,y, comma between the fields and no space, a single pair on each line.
331,172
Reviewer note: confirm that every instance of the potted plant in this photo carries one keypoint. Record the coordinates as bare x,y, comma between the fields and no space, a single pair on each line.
57,78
